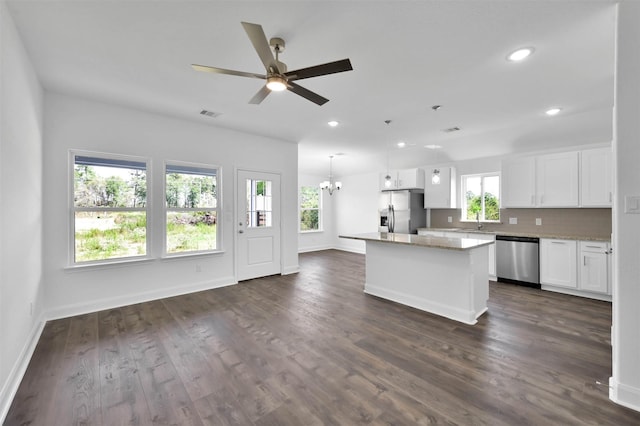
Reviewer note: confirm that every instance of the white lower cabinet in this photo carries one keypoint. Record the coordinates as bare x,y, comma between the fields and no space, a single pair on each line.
594,267
578,267
558,260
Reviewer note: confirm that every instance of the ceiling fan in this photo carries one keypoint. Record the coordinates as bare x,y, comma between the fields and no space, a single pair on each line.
277,76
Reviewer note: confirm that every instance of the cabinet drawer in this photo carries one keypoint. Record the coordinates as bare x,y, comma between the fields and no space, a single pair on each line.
594,246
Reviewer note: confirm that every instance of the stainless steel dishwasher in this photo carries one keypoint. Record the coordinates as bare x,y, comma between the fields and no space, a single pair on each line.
517,260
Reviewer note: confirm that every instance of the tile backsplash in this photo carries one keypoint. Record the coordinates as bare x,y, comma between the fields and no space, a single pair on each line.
569,222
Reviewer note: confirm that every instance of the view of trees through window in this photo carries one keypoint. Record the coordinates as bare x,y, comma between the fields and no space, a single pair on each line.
310,208
482,197
191,200
110,219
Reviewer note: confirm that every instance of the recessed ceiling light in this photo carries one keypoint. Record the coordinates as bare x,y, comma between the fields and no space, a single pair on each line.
553,111
333,123
432,146
401,144
520,54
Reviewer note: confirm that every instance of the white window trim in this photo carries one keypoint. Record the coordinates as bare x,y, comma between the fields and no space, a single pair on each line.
218,209
463,195
71,263
320,211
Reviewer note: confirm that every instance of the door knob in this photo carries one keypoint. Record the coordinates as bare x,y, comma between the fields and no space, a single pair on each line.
240,231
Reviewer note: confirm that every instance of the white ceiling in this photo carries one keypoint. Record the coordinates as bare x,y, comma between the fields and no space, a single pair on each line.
406,55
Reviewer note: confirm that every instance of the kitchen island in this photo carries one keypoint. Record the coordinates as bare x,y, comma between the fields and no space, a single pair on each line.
444,276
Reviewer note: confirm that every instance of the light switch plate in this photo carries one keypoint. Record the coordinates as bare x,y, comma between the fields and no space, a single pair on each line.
538,221
632,204
513,221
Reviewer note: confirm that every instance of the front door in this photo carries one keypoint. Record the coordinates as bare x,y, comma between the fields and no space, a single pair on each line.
258,224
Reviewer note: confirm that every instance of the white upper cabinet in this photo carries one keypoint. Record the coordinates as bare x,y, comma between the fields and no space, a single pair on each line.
557,180
596,178
441,192
518,182
551,180
402,179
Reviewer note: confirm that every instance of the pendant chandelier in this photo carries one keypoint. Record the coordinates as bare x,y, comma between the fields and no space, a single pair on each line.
330,185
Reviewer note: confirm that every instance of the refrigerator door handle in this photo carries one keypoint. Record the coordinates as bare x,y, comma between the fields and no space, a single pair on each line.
392,218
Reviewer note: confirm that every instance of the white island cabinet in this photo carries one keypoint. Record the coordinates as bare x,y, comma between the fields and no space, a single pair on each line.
444,276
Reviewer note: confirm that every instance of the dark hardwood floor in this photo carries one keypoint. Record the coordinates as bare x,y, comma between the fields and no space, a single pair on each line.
313,349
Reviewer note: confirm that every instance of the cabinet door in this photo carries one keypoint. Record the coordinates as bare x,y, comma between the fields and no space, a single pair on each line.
558,263
557,180
441,194
594,267
518,182
596,178
410,179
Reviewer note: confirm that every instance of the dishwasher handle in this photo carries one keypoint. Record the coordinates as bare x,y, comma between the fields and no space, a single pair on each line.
533,240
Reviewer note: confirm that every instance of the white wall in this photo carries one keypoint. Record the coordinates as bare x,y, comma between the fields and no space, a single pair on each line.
73,123
20,209
313,241
625,381
356,209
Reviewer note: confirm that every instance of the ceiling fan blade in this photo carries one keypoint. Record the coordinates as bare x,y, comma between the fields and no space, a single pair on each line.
318,70
261,45
306,93
206,68
259,97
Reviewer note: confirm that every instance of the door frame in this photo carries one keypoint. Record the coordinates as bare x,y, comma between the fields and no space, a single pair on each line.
236,254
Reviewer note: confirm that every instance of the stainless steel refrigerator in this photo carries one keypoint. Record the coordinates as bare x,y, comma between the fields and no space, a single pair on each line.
402,212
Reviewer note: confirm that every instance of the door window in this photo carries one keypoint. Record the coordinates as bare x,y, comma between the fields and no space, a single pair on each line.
259,203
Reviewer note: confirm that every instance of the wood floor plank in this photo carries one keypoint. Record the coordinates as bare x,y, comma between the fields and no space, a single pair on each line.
121,393
312,348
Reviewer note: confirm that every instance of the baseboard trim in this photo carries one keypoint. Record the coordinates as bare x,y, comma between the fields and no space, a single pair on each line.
596,296
464,316
625,395
115,302
10,387
314,248
351,249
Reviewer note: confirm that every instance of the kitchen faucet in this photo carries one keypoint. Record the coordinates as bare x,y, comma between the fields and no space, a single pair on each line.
478,220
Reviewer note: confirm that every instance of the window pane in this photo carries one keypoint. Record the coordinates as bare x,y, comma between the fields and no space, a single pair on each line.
190,190
473,197
492,198
309,197
191,231
309,220
109,235
259,203
109,186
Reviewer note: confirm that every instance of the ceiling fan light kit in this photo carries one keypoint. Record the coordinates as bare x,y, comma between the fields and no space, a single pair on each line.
277,77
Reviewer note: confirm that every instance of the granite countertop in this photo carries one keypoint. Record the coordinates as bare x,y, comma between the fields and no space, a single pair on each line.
519,234
460,244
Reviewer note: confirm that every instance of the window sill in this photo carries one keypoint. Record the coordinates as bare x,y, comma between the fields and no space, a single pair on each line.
315,231
178,256
108,264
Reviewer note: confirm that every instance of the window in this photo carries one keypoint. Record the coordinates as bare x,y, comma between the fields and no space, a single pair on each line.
481,197
310,208
259,202
109,208
191,193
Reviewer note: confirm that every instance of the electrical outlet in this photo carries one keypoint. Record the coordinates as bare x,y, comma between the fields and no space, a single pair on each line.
538,221
449,219
513,221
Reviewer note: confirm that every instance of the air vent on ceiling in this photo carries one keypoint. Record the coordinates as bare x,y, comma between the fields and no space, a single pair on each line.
210,113
451,129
